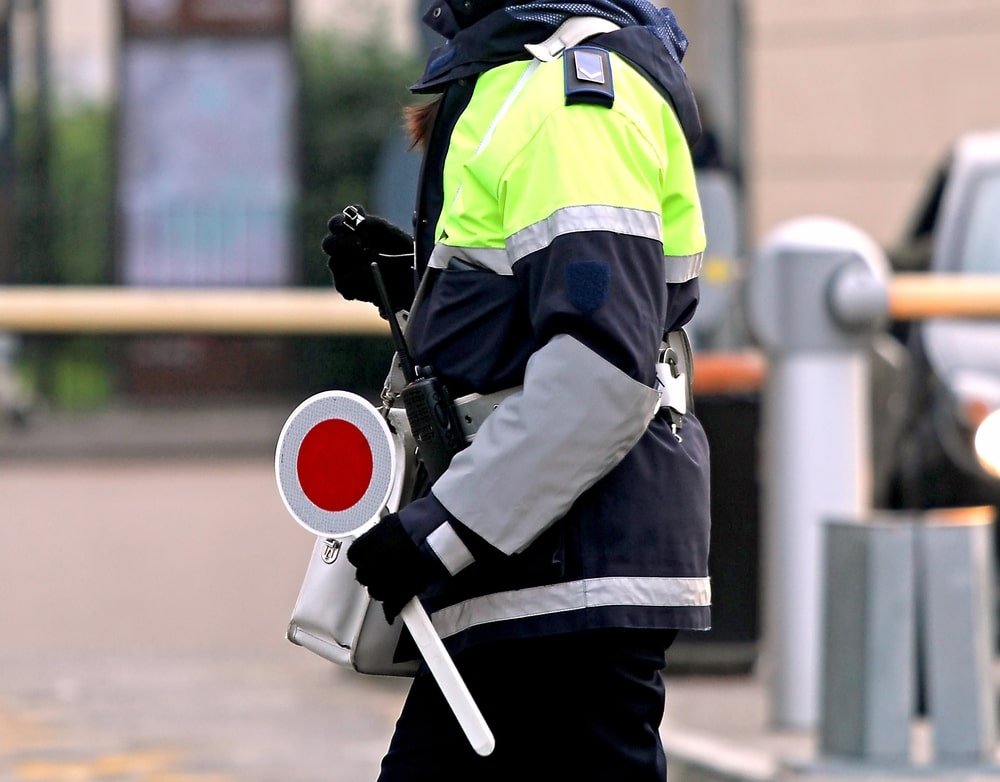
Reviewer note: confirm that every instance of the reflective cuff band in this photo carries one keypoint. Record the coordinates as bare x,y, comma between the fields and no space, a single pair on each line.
573,219
681,268
450,549
494,260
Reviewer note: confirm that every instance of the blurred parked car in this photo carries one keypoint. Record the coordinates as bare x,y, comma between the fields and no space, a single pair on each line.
948,450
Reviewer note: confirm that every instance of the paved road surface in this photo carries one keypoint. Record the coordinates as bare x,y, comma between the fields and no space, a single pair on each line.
143,605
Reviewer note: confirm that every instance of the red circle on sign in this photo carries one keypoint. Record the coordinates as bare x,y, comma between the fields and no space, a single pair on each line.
335,465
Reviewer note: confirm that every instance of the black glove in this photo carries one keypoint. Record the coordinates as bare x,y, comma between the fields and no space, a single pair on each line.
354,241
389,563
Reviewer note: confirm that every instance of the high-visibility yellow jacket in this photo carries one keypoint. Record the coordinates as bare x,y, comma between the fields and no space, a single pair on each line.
560,236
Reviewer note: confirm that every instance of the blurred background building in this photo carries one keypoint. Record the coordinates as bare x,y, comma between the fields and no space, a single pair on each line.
190,143
855,103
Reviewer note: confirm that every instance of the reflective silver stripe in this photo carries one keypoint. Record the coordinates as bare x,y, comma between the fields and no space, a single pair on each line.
572,596
572,219
450,549
676,268
681,268
575,419
501,113
493,259
505,107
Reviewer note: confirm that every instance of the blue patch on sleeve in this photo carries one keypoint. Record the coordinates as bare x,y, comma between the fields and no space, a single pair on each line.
587,284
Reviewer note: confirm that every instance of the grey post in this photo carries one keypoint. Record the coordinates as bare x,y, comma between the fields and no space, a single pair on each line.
816,293
869,643
956,589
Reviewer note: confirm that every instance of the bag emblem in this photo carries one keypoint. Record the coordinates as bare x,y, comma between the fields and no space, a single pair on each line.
331,551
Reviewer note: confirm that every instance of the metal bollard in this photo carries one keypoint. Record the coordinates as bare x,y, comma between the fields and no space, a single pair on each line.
869,648
817,292
900,582
956,596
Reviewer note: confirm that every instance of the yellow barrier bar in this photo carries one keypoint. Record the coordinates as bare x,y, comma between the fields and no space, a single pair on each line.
728,373
91,310
114,310
918,296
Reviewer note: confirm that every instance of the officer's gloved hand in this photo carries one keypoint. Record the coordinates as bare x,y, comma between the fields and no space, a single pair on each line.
354,241
389,563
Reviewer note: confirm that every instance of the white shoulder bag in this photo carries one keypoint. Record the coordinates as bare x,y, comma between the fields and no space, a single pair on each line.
334,617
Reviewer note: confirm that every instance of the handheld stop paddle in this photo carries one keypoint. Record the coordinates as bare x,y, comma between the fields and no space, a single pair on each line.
335,464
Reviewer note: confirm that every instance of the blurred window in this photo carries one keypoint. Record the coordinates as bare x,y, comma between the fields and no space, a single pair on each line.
981,252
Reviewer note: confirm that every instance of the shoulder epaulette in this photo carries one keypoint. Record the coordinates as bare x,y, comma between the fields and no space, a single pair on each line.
588,76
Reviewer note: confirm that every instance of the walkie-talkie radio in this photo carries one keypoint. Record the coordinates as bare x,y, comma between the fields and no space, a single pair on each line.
433,421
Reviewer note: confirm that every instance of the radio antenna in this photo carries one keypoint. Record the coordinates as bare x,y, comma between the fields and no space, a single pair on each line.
405,359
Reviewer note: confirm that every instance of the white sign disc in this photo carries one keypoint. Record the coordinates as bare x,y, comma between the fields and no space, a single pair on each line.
335,464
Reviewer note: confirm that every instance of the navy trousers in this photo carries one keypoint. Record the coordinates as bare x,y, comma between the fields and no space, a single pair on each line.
581,706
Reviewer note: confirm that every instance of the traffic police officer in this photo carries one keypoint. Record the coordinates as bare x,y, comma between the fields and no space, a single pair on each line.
558,243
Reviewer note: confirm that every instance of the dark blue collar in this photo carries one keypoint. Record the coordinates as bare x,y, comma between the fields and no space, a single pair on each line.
494,40
499,39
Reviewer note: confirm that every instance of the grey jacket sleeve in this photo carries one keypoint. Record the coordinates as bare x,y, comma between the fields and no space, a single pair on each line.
577,417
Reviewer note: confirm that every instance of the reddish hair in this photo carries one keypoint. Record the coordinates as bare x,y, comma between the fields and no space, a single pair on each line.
418,120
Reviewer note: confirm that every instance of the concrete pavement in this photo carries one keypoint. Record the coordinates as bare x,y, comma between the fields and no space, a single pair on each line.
230,718
143,605
192,718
